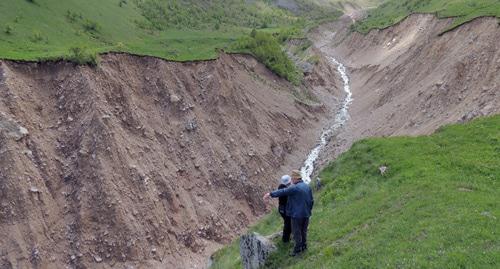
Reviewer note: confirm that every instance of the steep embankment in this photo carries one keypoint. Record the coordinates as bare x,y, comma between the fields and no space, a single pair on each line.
407,202
140,161
409,80
435,206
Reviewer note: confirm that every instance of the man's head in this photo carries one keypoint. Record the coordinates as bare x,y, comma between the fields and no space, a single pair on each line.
296,176
286,180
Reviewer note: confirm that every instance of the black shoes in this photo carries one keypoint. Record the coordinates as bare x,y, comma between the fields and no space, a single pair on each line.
296,253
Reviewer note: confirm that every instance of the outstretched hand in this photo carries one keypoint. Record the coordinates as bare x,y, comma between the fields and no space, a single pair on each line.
266,196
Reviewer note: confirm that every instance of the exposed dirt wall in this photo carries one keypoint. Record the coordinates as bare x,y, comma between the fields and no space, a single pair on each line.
409,80
142,162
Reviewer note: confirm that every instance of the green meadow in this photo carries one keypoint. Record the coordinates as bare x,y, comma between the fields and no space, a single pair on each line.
46,29
394,11
178,30
174,30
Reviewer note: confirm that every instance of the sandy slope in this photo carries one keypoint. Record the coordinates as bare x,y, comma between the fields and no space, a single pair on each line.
409,80
143,162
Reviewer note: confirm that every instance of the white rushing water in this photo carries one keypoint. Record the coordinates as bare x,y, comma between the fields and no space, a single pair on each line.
340,119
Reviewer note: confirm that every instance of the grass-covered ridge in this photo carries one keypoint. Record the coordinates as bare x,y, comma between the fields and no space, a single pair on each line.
436,207
178,30
174,30
393,11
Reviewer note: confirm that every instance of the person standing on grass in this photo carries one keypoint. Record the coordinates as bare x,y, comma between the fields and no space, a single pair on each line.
285,182
299,206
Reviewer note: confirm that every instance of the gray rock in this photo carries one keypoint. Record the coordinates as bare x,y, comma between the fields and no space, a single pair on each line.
11,128
382,169
254,250
289,5
470,115
97,258
306,67
35,190
174,98
191,125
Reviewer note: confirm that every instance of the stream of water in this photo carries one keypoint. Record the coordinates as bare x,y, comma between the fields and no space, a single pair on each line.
340,119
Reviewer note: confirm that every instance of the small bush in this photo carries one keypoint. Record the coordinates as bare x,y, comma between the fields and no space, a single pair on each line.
120,46
268,50
82,56
9,29
91,26
313,59
122,3
73,16
31,1
253,33
37,36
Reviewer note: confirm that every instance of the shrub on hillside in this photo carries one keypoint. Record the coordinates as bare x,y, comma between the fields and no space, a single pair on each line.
268,50
9,29
313,59
37,36
91,26
195,14
82,56
73,16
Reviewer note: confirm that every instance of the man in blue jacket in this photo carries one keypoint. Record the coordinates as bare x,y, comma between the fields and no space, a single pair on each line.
299,207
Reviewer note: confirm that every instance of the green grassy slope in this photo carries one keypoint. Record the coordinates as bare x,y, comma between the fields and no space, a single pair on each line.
179,30
49,28
437,206
393,11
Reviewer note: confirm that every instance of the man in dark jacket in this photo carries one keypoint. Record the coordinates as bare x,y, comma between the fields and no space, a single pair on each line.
287,221
299,207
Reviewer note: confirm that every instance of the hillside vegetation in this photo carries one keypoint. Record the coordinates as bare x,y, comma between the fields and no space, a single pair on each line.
180,30
266,48
394,11
436,206
175,30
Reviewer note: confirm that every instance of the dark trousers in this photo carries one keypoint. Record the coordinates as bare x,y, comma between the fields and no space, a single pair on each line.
287,227
299,229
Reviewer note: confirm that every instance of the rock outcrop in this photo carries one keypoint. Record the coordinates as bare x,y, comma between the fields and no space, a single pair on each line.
254,250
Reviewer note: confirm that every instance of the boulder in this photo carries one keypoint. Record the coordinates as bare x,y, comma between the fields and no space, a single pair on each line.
306,67
382,169
174,98
254,250
191,125
10,128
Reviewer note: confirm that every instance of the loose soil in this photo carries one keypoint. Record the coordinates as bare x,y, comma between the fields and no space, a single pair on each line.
145,163
410,80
